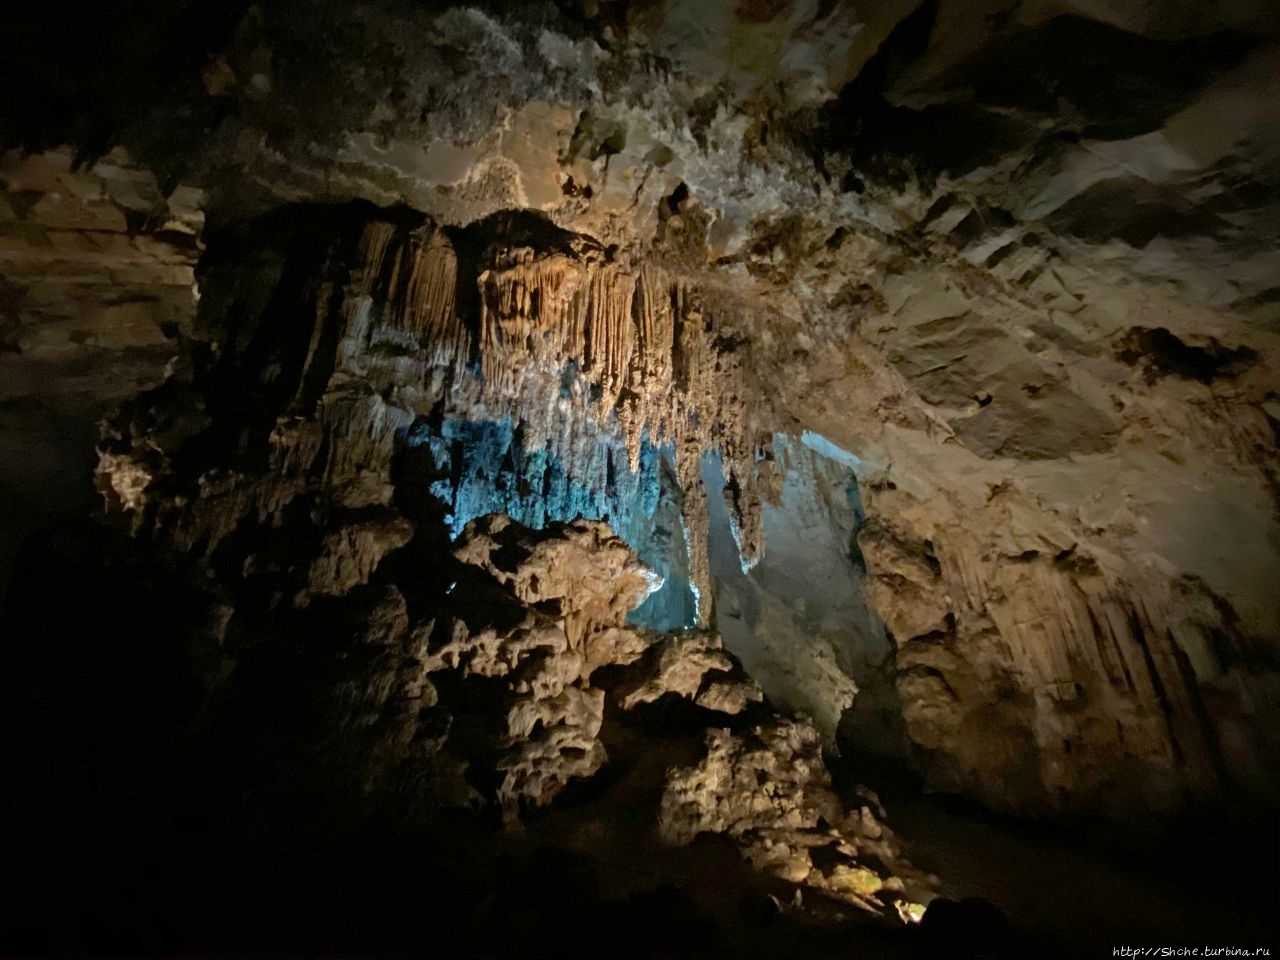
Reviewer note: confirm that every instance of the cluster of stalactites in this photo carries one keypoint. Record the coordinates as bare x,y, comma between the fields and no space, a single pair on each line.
415,275
573,333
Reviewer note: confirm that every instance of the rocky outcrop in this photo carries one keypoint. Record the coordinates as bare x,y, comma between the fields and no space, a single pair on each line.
581,573
569,361
578,583
769,789
682,665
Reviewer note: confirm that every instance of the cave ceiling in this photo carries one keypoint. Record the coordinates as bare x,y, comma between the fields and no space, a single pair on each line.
1019,259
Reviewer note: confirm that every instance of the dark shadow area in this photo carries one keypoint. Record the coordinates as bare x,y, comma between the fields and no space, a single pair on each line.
1081,885
1162,353
1093,80
145,812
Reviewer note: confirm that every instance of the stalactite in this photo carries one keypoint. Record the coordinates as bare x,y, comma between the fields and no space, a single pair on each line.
429,308
592,362
574,345
375,243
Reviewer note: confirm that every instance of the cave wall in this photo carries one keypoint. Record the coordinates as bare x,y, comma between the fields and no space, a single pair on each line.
1030,671
1156,530
1044,324
96,281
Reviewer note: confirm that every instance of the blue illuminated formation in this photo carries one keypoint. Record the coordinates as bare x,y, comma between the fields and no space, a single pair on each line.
824,447
484,466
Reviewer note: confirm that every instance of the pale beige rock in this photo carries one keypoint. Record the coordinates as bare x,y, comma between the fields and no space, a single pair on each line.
582,572
683,661
728,697
579,581
769,790
614,646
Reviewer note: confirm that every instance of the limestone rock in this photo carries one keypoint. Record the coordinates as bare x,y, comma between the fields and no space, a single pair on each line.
572,586
619,646
1041,317
769,790
350,554
565,746
683,662
728,697
583,573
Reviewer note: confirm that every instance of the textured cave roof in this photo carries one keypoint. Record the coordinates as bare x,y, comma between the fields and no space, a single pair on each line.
1027,247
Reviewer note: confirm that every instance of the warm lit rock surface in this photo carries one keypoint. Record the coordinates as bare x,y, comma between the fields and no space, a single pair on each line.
769,789
582,573
683,662
578,581
1039,308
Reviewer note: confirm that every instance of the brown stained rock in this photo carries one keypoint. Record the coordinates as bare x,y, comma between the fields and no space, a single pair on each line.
576,582
772,778
1013,648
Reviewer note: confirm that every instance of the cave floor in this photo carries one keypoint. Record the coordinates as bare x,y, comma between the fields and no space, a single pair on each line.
1086,888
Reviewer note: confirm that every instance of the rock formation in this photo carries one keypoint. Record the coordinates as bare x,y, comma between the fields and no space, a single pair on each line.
96,280
492,698
769,789
579,583
1027,624
501,377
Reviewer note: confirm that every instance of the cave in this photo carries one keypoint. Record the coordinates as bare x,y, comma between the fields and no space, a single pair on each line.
577,478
